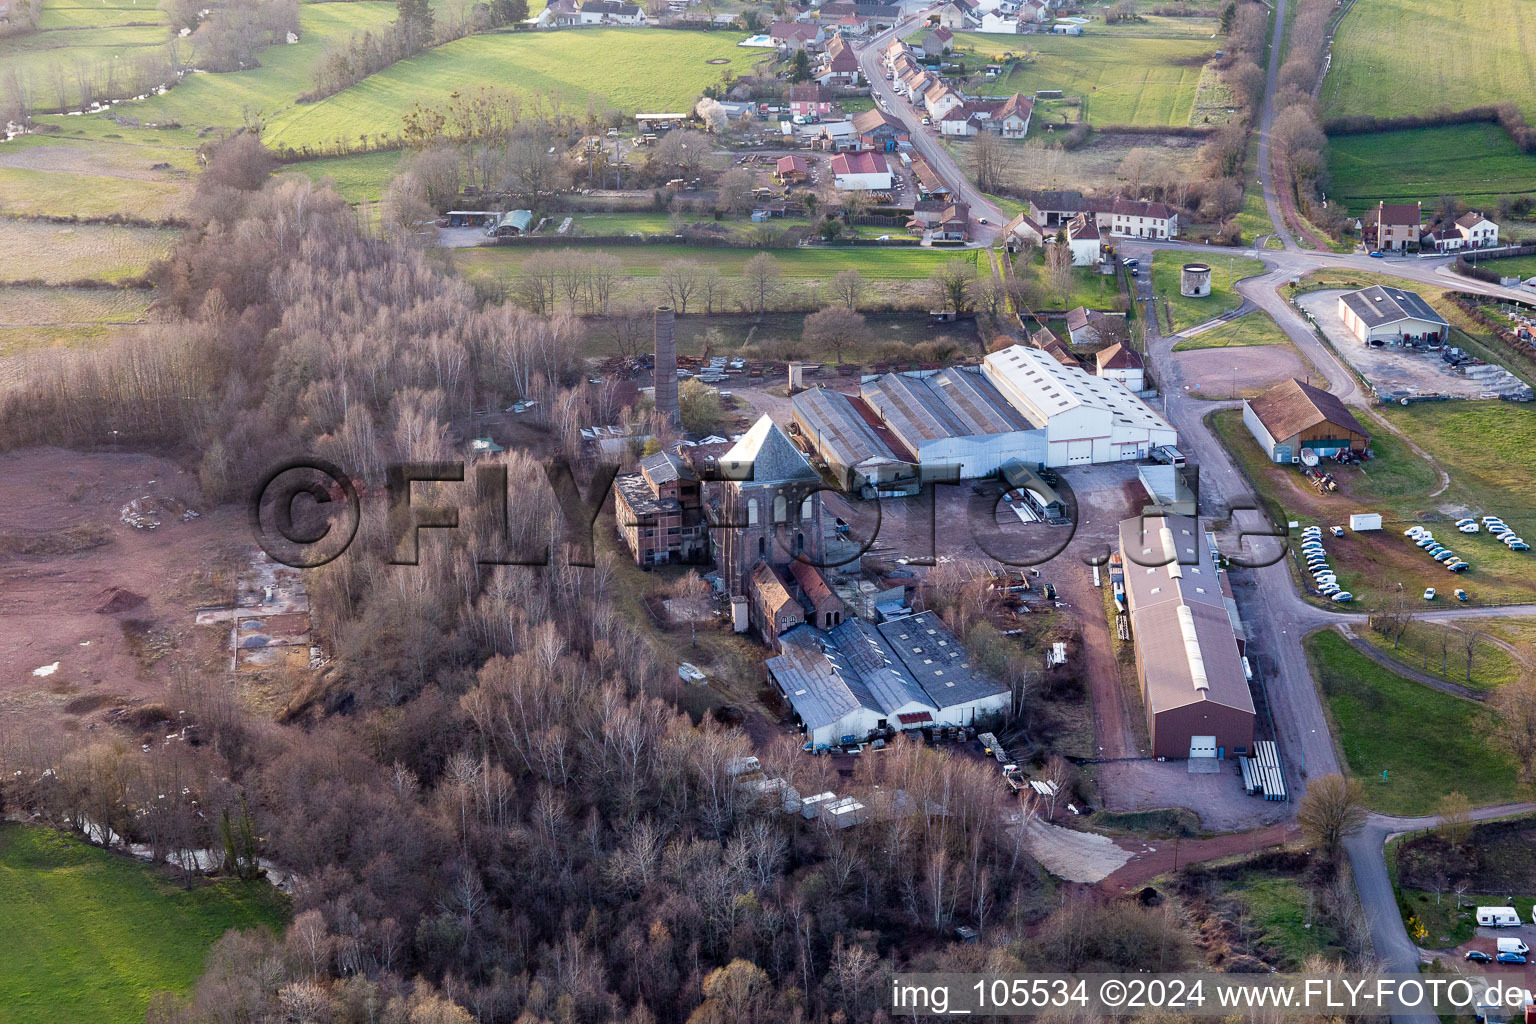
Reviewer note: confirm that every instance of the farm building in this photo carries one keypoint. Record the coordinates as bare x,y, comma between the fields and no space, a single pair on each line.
1379,316
1292,416
879,131
512,224
1087,419
856,679
792,169
955,421
1187,659
847,435
861,172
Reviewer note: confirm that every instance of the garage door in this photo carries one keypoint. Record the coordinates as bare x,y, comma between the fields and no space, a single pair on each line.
1202,746
1079,452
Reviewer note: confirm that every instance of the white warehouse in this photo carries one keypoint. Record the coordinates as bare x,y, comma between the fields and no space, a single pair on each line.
1087,419
955,421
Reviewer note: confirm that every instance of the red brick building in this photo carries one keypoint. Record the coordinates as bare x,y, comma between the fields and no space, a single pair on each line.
659,511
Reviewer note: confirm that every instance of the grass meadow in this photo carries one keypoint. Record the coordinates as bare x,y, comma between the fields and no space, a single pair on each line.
1120,79
91,935
1429,743
1256,328
1395,57
646,260
33,318
1477,162
1226,271
61,253
603,66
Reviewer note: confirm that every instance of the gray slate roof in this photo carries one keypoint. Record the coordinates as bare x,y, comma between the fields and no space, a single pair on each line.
937,659
1378,306
765,455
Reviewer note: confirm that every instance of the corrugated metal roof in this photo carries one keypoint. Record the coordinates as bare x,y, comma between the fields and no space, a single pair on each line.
829,417
937,660
951,403
1378,306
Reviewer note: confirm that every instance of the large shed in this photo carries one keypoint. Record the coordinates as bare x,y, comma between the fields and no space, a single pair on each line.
860,452
1187,658
1381,316
955,420
1292,416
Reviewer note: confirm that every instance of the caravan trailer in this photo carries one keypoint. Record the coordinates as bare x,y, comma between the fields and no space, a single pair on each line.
1497,917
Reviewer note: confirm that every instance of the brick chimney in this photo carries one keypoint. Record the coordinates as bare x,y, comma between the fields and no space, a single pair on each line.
666,365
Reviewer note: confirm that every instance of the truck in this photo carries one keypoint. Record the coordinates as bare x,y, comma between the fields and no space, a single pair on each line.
1360,522
1513,946
1497,917
1168,455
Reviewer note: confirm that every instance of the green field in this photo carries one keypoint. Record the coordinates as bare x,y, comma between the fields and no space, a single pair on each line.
96,14
1256,328
47,60
92,935
646,260
1120,79
1277,910
1429,743
1225,272
1492,665
606,66
60,253
359,178
1394,57
1523,266
1476,162
1089,287
1486,446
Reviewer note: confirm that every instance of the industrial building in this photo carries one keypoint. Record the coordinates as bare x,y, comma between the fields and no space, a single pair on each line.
955,421
1293,417
857,679
847,435
1193,683
1381,316
1086,419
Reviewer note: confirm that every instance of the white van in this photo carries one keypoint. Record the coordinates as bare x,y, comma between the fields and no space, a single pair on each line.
1513,946
1497,917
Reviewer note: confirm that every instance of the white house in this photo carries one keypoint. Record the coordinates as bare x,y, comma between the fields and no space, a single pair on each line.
953,16
1380,316
861,172
1477,231
1121,362
940,99
1087,419
1013,116
611,12
1138,219
1084,239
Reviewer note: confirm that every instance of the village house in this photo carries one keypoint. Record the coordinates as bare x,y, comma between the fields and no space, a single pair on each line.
1394,227
852,25
940,99
773,610
1046,341
955,15
938,42
1137,219
838,137
1122,363
1020,231
944,219
611,12
1033,12
840,66
1084,325
812,100
790,36
1083,238
1477,231
929,184
1012,117
1052,209
895,48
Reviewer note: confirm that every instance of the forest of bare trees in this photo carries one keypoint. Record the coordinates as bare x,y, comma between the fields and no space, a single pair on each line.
489,799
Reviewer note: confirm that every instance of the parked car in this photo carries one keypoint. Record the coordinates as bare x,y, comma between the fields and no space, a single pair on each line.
1511,958
1457,566
1337,531
1342,597
1461,595
1477,956
1429,593
1490,520
1425,542
1328,589
1413,531
1519,545
1377,254
1446,556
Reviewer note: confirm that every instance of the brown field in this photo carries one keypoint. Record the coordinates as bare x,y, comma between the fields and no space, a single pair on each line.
110,604
1218,374
1040,165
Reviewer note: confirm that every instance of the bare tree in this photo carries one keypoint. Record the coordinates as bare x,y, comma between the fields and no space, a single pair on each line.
1455,819
1058,264
834,327
760,281
679,279
1332,811
1058,774
1514,708
987,155
849,286
1470,639
952,284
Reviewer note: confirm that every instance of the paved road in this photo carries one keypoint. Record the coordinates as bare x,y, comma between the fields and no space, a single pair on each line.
1266,121
925,140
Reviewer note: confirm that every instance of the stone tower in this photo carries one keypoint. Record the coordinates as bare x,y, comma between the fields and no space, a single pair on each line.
771,505
666,366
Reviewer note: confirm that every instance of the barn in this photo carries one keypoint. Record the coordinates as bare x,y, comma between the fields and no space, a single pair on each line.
1382,316
1193,684
1293,416
860,172
1087,419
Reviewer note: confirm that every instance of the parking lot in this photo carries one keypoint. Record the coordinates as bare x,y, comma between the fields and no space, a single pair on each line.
1390,368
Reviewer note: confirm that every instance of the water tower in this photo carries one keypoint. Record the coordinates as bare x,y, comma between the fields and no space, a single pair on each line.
1195,280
